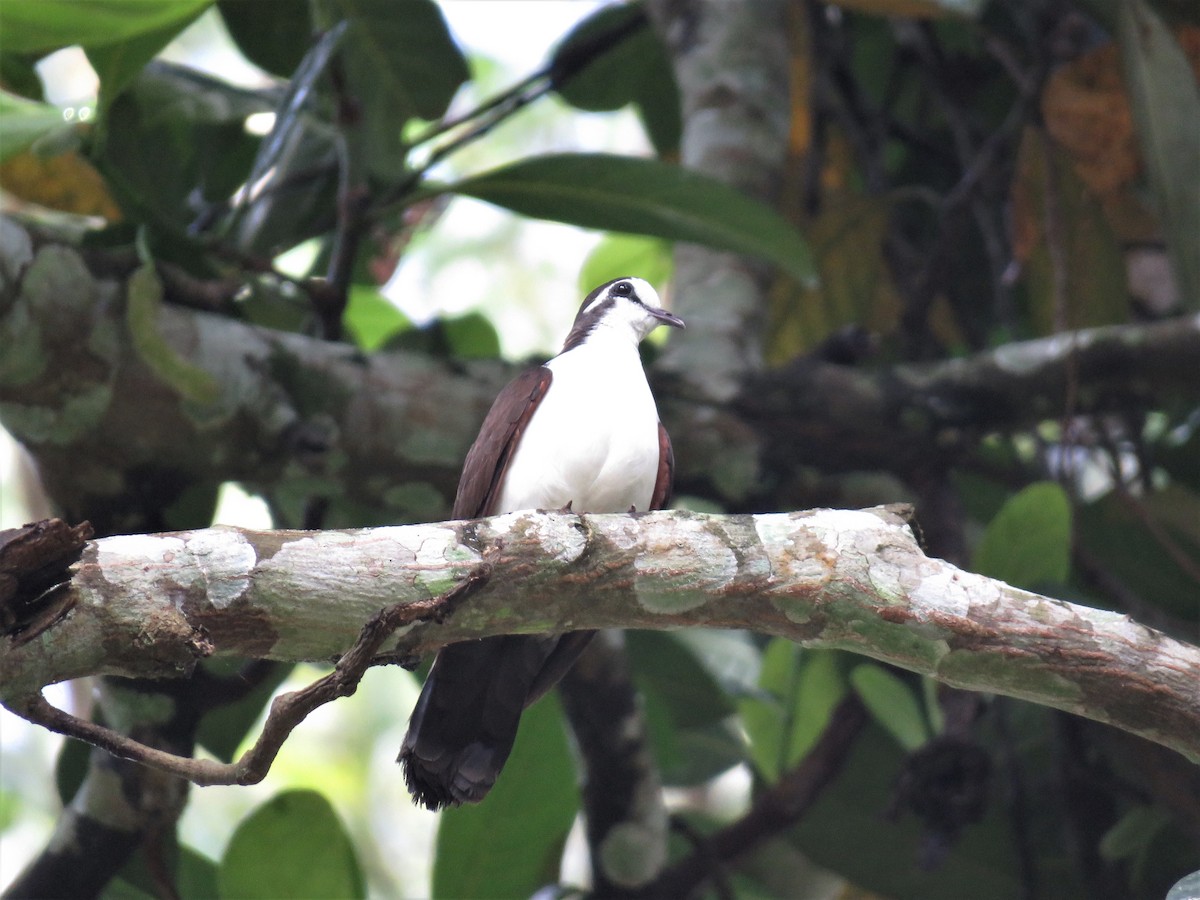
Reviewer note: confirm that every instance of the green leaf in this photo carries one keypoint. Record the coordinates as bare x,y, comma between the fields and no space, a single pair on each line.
175,135
294,845
39,26
847,830
892,703
765,717
472,336
511,844
10,808
122,889
70,768
688,714
272,34
118,64
1028,543
799,689
1089,254
196,874
643,196
18,74
25,122
627,64
143,301
1133,834
224,729
821,687
1137,558
618,255
1165,100
372,319
401,63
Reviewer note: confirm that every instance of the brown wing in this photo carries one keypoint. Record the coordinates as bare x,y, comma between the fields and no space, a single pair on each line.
488,458
666,471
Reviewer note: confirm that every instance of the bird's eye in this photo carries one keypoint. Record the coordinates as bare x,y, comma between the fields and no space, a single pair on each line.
623,289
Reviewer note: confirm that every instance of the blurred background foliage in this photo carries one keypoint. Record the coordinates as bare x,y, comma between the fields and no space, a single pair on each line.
961,175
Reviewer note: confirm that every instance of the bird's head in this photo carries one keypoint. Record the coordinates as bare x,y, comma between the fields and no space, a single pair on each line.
627,305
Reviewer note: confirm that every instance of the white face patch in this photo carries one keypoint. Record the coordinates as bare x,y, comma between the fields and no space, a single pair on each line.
642,289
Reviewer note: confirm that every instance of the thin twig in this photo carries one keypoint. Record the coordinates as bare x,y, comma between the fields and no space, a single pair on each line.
287,710
775,809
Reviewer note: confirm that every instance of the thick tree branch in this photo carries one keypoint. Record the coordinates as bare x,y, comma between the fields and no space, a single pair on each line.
152,605
287,710
390,430
732,65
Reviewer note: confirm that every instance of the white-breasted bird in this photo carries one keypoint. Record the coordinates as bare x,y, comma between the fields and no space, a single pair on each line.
581,431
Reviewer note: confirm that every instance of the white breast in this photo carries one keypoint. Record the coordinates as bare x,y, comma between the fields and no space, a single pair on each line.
593,441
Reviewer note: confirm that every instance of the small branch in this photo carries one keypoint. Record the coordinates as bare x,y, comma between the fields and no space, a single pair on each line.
287,710
622,792
776,809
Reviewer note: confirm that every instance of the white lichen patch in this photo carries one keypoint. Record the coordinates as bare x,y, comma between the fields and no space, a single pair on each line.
888,574
125,549
623,532
144,562
225,561
562,542
425,546
949,591
798,560
431,556
683,572
843,530
631,854
775,529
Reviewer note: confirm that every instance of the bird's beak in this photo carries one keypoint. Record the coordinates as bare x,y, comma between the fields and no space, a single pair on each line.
665,317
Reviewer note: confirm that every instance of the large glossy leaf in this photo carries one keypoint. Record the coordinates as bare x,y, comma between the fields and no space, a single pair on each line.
643,196
118,64
176,137
798,690
687,713
273,34
849,831
614,58
35,26
511,844
892,703
1152,564
1166,109
294,845
400,63
1028,543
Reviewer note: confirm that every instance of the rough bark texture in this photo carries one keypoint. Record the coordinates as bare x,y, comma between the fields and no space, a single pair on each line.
390,430
732,65
152,605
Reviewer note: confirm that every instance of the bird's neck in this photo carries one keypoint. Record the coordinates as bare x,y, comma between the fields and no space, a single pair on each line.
605,341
